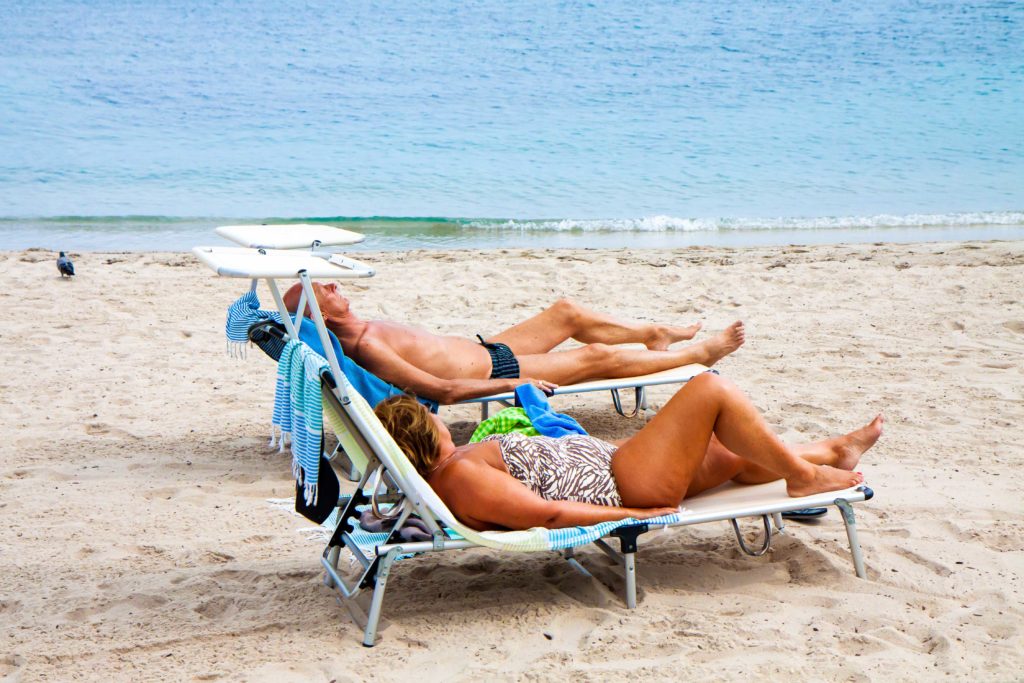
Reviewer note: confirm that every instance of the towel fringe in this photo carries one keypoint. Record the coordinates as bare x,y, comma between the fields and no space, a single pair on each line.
309,488
237,349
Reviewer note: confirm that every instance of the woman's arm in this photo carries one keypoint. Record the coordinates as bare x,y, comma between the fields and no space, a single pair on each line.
486,498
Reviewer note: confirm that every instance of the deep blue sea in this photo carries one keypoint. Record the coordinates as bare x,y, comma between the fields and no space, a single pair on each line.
141,124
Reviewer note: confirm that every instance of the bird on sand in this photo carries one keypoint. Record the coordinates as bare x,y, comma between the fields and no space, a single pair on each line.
65,266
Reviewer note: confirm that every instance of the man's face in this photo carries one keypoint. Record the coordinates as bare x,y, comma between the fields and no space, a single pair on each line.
330,300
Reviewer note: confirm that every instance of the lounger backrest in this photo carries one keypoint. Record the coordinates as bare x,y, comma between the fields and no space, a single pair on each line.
423,498
355,446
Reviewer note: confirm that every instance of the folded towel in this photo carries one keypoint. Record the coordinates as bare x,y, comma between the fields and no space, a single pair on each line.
242,315
508,420
413,530
544,419
298,411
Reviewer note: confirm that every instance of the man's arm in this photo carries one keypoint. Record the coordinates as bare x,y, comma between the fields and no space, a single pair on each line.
381,360
491,498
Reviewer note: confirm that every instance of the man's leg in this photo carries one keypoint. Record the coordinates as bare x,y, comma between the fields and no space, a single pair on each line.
566,319
601,361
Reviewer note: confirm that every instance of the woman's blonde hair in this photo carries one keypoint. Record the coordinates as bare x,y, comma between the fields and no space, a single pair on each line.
409,423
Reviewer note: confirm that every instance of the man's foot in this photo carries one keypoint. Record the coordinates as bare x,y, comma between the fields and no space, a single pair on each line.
849,448
723,343
820,479
663,336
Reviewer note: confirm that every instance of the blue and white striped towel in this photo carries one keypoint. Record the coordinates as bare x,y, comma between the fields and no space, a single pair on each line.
242,315
298,411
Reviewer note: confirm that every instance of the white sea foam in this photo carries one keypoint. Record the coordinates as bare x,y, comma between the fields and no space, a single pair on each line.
676,224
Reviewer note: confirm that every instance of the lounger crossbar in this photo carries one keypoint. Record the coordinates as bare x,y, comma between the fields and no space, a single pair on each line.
638,384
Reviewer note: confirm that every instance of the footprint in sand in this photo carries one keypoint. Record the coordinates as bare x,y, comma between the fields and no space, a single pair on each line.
1015,326
9,666
103,429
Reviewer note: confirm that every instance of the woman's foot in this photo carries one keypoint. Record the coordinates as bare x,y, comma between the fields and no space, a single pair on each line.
849,448
822,478
723,343
663,336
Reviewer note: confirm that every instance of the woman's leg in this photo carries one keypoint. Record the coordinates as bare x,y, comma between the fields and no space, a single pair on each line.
657,466
842,452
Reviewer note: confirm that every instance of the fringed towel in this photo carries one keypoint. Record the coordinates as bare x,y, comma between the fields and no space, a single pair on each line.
242,315
298,411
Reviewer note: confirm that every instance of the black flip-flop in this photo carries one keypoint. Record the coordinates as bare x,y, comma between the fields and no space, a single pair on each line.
805,513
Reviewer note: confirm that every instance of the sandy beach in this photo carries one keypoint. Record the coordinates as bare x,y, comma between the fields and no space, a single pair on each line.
139,543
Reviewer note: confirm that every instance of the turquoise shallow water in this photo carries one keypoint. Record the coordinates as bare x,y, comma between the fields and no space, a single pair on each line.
543,123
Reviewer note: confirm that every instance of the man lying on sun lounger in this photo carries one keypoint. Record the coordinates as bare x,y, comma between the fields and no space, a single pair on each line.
450,369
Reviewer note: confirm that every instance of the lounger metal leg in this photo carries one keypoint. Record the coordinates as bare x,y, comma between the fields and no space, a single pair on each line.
370,635
765,545
485,409
332,557
639,406
780,523
850,520
570,557
629,566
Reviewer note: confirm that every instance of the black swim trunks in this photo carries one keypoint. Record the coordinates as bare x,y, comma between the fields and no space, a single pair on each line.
503,362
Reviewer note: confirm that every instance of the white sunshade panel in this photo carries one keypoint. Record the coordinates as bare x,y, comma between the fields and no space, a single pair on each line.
272,263
295,236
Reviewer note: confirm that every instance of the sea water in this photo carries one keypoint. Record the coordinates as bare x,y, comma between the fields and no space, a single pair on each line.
132,124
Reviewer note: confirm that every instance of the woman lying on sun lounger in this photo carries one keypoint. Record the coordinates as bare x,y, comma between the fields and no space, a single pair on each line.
708,433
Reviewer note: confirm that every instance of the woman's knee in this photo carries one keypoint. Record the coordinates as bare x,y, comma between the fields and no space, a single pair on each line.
710,383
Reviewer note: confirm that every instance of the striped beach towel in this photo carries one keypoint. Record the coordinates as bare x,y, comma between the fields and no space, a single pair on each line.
242,315
298,411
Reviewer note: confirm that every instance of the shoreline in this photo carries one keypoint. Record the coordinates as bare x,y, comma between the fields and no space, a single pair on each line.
145,234
136,451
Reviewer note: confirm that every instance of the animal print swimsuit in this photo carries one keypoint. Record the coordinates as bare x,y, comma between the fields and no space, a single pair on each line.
576,468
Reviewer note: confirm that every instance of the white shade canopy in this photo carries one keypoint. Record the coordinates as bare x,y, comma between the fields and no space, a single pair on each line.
275,263
289,236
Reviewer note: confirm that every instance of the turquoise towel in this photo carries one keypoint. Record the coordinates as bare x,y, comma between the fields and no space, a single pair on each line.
301,411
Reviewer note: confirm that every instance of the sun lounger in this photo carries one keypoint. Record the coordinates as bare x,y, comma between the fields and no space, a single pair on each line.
390,482
352,416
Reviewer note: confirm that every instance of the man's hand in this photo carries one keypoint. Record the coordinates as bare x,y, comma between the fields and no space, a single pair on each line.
547,387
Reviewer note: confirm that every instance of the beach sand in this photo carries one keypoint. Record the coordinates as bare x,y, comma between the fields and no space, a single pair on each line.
138,543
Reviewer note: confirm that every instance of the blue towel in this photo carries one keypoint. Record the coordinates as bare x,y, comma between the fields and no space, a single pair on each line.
369,386
544,419
298,411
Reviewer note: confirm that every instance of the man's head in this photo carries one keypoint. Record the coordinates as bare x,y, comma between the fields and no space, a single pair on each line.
332,304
